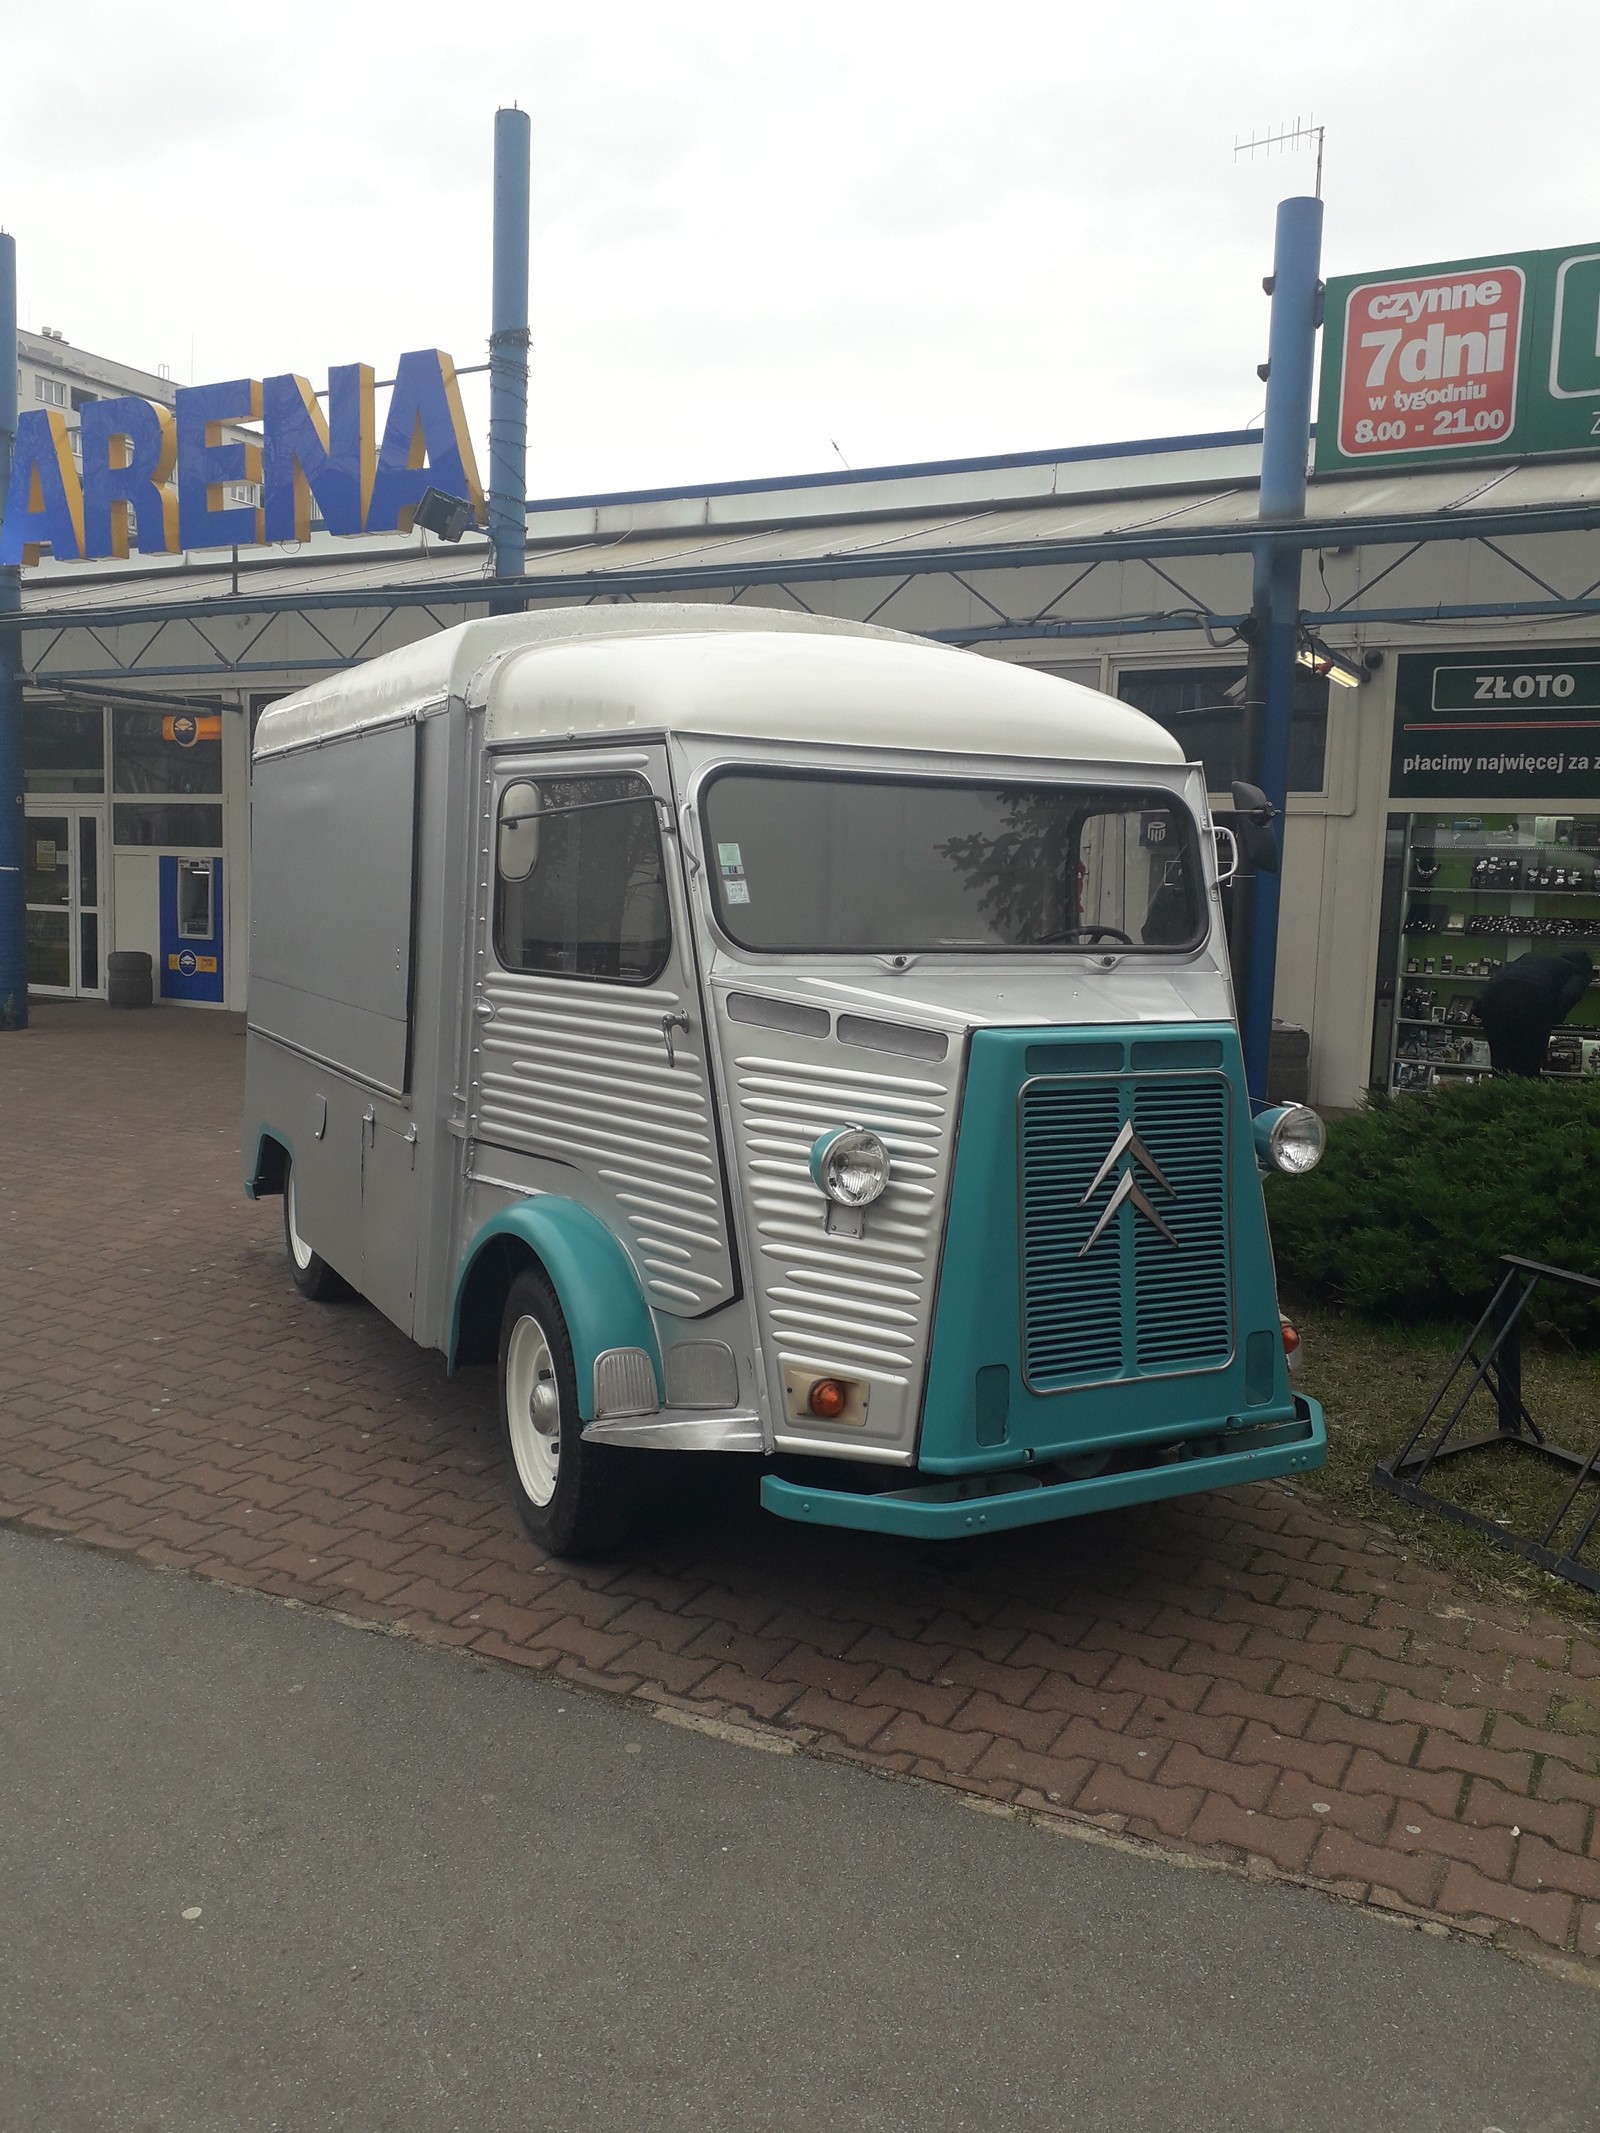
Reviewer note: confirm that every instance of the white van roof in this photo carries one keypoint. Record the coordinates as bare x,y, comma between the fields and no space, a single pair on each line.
586,672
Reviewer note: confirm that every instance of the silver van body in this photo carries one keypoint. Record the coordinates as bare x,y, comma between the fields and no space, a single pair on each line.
646,1141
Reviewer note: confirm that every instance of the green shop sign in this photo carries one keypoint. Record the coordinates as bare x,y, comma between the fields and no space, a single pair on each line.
1523,726
1492,358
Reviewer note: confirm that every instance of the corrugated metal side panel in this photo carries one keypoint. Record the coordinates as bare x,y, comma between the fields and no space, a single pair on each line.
851,1304
577,1071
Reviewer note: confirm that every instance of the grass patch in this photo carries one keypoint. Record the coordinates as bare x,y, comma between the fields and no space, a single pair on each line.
1374,1381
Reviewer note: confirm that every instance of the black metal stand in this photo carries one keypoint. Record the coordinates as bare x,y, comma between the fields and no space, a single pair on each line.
1499,1367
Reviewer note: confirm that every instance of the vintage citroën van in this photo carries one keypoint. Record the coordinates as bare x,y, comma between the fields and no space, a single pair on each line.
764,1034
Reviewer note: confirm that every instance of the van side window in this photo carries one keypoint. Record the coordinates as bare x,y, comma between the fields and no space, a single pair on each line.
579,886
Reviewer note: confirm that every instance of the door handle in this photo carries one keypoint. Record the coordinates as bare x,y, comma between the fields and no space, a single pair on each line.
668,1024
369,1127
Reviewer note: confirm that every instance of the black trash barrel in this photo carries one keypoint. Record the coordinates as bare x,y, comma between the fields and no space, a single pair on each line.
129,982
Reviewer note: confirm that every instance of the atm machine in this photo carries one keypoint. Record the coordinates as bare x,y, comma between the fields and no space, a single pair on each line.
191,928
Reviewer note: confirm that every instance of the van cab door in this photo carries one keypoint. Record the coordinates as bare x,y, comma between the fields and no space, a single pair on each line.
590,1045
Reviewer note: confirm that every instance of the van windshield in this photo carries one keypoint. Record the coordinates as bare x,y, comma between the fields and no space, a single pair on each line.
803,862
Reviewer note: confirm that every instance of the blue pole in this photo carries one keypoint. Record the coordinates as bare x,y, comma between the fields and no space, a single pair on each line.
508,356
1275,607
13,921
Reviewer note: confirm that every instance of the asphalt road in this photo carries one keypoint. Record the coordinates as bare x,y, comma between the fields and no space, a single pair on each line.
260,1870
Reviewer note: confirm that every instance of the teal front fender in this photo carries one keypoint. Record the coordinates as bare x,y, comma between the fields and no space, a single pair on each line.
592,1275
957,1509
265,1174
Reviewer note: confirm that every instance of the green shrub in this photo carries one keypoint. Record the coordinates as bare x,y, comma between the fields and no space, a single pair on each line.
1417,1197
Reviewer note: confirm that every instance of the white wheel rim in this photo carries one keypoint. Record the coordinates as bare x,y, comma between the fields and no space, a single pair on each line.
299,1250
533,1410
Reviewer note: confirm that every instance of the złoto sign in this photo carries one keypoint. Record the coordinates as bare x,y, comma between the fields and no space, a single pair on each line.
1521,726
1477,358
153,477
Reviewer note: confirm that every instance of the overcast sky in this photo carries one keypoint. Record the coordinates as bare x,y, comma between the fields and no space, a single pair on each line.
765,236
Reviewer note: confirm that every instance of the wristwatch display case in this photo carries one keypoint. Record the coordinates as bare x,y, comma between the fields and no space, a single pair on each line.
1465,894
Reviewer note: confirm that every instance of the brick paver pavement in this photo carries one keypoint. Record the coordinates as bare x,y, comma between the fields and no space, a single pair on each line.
1245,1674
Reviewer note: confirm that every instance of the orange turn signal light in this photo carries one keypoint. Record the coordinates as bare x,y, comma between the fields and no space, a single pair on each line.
827,1399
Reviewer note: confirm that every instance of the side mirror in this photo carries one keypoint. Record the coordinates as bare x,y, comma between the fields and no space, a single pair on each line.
518,853
1255,815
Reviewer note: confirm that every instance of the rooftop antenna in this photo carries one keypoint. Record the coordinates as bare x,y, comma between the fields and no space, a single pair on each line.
1300,135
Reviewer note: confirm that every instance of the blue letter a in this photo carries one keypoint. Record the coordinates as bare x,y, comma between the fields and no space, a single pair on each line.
44,502
425,443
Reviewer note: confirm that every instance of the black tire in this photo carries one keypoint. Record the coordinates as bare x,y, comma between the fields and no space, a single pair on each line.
312,1274
574,1498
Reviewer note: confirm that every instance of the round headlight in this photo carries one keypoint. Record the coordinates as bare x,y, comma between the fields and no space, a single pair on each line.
851,1166
1297,1139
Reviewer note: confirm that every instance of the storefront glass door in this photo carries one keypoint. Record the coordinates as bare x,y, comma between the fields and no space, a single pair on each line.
62,849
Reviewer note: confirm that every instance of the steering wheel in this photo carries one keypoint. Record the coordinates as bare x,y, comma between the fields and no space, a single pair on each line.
1092,933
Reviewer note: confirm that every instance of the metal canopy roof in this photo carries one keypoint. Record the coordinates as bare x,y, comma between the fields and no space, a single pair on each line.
1214,518
1161,499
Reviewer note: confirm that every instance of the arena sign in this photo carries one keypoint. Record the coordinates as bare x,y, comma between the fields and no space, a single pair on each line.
1492,358
155,478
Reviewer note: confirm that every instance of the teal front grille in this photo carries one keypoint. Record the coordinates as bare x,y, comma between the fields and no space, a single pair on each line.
1149,1290
1071,1299
1182,1306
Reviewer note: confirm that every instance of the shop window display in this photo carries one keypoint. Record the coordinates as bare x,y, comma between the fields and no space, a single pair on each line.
1476,892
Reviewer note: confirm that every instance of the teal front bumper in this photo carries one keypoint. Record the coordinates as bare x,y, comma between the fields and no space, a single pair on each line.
990,1503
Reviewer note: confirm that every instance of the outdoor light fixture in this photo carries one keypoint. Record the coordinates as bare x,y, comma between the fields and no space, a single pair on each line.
441,513
1334,666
